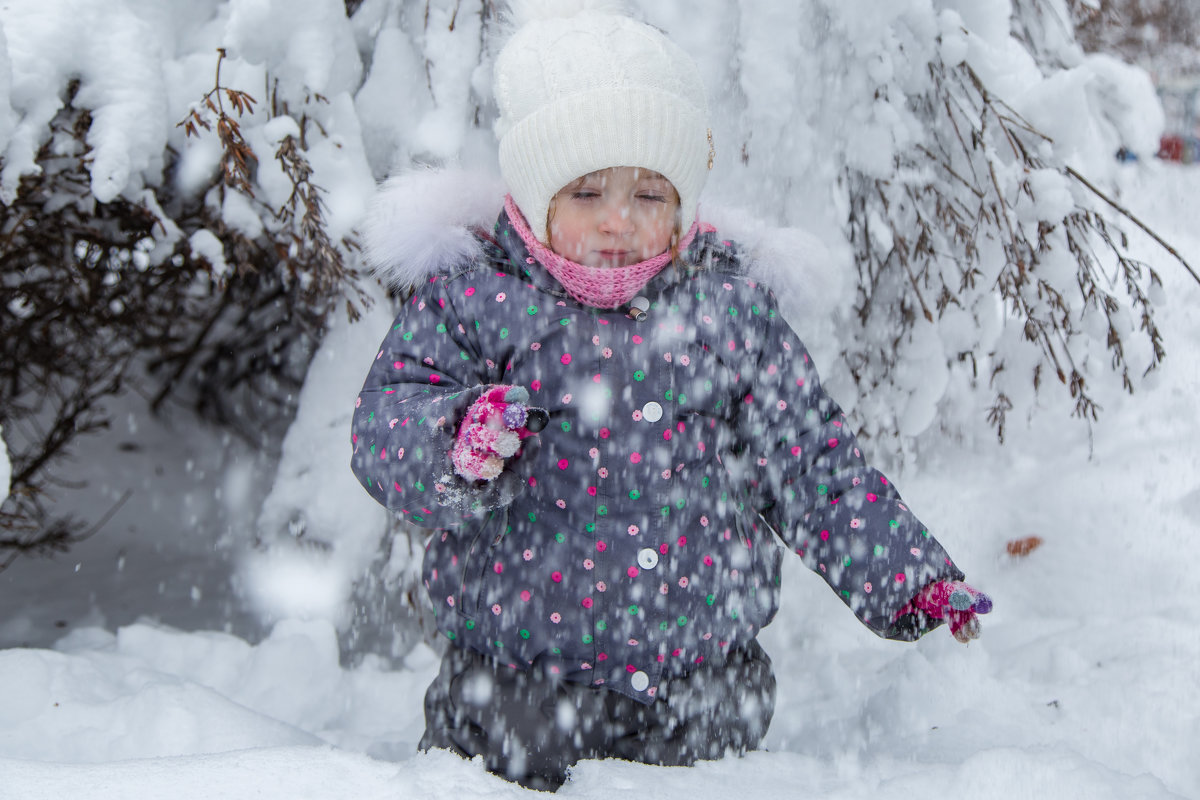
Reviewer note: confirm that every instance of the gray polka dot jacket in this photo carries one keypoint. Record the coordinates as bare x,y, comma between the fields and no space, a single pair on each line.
685,453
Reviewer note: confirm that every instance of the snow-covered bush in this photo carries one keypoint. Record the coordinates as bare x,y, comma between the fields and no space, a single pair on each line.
148,241
952,157
81,302
945,152
984,256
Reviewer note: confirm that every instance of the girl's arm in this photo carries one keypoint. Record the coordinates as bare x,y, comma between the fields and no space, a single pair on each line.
808,479
428,371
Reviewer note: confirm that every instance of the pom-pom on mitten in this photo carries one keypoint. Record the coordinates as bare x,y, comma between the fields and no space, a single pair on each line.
953,601
493,430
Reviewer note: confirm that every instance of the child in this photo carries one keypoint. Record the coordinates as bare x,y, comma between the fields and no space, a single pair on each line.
614,434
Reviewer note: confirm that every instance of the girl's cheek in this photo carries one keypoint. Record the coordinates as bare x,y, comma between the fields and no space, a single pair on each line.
569,246
664,228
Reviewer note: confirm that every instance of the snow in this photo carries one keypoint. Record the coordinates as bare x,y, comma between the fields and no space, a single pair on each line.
119,76
196,645
310,42
1065,107
206,245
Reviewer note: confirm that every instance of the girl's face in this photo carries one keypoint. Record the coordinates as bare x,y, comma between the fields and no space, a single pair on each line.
613,217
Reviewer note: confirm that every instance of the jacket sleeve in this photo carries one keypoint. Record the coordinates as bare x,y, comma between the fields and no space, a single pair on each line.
427,372
808,479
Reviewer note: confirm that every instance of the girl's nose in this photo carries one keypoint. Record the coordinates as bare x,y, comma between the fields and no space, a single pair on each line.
616,219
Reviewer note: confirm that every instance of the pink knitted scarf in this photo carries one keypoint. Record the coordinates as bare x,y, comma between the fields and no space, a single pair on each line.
599,287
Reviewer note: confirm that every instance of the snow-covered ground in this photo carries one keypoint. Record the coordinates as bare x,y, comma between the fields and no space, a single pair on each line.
132,670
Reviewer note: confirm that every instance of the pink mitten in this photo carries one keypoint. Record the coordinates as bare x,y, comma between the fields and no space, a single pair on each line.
493,430
953,601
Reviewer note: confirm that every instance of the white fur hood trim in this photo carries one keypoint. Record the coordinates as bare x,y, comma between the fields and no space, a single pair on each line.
420,222
806,276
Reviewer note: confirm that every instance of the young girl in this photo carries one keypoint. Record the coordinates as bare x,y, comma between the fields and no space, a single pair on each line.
615,435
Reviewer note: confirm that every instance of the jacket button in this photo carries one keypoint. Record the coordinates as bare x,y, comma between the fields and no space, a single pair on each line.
647,558
639,681
652,412
638,308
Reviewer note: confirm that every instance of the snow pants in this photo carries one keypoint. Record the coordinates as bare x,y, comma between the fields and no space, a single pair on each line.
530,726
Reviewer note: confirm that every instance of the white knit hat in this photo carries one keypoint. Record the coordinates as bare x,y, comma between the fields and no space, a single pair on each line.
593,90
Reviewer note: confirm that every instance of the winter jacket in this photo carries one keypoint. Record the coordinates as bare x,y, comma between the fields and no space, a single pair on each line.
684,454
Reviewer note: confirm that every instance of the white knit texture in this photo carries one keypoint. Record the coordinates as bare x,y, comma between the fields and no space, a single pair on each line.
420,222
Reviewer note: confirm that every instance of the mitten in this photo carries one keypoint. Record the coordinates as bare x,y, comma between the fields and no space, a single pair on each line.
953,601
492,432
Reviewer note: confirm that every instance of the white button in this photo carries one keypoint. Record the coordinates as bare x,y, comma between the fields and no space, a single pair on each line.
639,681
647,558
652,411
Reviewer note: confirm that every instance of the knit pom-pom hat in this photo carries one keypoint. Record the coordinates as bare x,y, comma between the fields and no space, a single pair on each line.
581,88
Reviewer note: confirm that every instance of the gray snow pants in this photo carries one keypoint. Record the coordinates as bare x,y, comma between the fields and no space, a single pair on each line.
530,726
